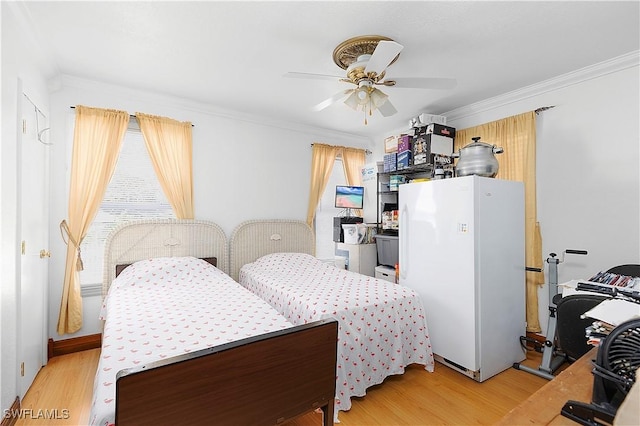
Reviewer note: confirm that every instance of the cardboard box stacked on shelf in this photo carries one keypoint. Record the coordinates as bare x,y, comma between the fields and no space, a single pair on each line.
431,142
405,154
390,159
425,143
390,162
395,181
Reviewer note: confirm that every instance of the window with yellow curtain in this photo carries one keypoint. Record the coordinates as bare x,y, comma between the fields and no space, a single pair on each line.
323,162
517,135
134,193
326,211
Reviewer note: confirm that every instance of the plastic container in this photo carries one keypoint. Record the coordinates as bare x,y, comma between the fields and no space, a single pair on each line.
350,234
385,273
387,246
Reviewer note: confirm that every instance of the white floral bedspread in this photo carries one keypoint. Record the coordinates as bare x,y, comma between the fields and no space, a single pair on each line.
382,325
165,307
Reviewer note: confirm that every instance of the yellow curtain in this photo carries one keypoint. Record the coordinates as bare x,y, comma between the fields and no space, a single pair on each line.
517,135
352,162
322,159
97,140
169,143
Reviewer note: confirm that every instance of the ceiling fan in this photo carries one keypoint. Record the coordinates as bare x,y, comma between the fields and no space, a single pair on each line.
365,59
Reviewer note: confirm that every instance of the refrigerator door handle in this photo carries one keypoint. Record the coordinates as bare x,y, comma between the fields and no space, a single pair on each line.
403,224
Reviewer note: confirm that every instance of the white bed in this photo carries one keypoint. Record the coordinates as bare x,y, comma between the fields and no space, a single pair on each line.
382,326
166,309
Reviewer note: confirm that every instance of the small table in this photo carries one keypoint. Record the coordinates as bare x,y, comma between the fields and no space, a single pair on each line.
544,406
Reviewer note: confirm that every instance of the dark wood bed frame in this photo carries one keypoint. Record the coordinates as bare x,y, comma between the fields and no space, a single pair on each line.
262,380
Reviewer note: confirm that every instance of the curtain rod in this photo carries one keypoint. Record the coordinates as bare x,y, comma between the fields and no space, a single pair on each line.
366,151
542,109
130,115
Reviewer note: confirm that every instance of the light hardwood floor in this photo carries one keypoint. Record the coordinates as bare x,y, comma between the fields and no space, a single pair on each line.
414,398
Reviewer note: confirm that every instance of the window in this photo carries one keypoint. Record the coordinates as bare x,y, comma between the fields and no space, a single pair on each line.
134,193
326,211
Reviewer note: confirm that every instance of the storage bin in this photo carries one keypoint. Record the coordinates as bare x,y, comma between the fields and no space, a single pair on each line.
387,246
386,273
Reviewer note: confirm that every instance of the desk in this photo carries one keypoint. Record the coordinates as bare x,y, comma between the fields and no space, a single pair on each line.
544,406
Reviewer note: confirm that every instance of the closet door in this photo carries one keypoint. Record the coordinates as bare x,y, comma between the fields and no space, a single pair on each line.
33,202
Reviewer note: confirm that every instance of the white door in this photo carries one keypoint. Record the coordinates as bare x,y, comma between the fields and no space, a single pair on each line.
34,231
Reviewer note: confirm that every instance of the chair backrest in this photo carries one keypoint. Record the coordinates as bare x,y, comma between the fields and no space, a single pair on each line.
630,270
570,328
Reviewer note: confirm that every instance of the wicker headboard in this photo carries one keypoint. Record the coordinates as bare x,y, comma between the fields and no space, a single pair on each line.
146,239
255,238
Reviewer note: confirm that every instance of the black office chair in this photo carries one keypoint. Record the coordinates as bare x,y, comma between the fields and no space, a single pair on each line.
570,330
630,270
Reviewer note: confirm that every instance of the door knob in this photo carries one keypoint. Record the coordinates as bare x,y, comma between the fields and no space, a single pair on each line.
44,253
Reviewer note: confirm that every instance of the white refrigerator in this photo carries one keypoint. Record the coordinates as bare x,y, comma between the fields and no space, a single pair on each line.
461,247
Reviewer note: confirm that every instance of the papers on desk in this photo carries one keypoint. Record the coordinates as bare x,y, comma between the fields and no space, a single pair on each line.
614,311
607,315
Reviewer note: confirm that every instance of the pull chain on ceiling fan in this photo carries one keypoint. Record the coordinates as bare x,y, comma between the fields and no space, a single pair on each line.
365,60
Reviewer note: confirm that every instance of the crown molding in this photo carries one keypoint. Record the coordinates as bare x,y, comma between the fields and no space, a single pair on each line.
129,93
619,63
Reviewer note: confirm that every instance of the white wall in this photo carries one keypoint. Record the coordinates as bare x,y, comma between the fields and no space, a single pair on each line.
244,168
23,71
588,157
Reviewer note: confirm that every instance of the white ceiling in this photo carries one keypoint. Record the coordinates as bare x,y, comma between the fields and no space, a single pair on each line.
233,55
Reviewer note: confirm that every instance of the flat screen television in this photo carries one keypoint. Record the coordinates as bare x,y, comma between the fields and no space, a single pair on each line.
349,197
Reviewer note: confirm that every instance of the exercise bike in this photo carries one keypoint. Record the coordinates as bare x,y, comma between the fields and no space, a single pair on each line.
552,358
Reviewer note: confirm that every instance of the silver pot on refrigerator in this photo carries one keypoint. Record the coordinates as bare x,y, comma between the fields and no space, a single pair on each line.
477,158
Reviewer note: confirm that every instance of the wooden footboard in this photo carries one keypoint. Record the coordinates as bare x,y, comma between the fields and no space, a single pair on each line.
262,380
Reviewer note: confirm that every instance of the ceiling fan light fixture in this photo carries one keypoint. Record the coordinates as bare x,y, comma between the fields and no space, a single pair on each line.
378,98
362,95
352,101
366,59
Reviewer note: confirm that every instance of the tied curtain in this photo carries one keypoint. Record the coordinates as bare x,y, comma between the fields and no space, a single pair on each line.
517,135
170,147
322,160
97,139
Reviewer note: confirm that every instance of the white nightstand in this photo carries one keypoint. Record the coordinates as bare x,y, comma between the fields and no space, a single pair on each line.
361,258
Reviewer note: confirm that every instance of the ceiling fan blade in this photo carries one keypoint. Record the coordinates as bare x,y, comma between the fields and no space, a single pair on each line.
387,109
311,76
425,83
333,99
382,56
